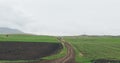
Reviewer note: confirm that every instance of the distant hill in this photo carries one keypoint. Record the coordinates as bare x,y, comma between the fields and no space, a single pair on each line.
5,30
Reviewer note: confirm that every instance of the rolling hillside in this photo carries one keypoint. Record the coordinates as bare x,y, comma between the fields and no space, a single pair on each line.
5,30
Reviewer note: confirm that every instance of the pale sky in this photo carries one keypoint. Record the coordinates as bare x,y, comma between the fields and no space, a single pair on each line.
62,17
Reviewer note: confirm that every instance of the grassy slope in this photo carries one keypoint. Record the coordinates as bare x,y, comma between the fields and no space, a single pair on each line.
28,38
34,38
95,48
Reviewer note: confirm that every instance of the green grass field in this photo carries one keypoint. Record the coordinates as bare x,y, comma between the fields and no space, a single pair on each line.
92,47
28,38
87,48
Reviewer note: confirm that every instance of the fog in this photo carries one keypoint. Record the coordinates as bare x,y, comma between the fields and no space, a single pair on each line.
62,17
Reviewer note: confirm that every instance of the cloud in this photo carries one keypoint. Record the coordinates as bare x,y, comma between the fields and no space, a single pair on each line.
13,17
63,17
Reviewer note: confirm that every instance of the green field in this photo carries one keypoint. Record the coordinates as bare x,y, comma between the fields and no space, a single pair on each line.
95,47
87,48
28,38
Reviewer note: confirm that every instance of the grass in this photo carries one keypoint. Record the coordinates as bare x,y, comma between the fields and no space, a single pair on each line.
33,38
28,38
89,48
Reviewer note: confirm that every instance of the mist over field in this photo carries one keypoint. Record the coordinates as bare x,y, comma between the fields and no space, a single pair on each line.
62,17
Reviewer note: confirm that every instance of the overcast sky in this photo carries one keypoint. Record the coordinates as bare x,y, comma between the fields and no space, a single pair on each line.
62,17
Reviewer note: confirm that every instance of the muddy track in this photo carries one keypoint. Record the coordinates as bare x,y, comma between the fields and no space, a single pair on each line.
69,58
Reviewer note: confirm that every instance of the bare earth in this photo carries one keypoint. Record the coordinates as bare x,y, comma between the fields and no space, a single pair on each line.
27,50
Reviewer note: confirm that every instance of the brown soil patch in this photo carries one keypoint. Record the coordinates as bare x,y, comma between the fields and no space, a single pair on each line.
27,50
